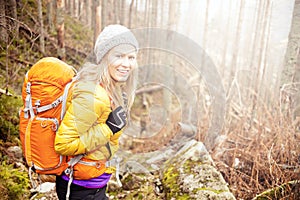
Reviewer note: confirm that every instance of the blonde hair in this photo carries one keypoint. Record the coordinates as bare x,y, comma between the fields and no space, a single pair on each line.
98,73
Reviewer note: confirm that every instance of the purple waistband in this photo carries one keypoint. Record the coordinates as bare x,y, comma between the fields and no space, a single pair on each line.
98,182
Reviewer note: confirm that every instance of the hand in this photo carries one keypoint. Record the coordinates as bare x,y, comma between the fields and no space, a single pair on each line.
116,119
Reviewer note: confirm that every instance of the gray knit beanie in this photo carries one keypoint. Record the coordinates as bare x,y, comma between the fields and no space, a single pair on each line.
112,36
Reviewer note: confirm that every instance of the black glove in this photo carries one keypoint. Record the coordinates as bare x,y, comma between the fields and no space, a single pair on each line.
116,119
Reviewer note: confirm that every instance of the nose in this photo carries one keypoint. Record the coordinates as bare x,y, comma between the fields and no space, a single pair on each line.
125,62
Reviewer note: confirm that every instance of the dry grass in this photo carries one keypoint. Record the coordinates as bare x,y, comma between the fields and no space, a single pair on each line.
261,150
260,153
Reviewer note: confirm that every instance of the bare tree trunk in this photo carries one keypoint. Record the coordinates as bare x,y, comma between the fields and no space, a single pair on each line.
80,9
162,13
75,8
11,12
130,13
60,27
256,78
291,71
256,42
146,14
67,6
110,12
136,16
88,13
266,82
4,36
225,44
255,48
3,25
116,8
96,18
70,7
169,72
122,12
154,13
262,41
204,39
236,48
42,40
50,15
94,9
103,13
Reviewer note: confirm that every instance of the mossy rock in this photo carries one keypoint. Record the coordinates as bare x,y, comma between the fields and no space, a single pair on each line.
190,174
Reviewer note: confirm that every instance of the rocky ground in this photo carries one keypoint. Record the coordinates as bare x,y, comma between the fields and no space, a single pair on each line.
189,174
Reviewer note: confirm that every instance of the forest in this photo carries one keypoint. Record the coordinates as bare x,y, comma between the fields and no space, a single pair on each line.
227,72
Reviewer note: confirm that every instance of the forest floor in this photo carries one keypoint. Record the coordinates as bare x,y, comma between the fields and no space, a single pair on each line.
260,149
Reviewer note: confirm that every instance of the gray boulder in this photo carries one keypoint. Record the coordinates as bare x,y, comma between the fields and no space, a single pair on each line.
190,174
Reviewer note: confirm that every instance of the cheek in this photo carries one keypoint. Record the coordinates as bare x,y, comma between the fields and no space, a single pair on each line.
111,71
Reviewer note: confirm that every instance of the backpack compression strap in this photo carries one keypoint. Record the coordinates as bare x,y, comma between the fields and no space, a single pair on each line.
62,99
28,103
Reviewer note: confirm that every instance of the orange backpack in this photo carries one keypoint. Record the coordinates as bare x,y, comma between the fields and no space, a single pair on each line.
44,95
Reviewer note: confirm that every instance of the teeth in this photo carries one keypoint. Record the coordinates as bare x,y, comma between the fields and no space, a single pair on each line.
123,71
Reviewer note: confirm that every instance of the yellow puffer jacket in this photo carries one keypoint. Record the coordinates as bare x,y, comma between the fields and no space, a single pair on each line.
83,129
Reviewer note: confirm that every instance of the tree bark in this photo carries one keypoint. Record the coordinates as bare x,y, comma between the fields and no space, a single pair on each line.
3,29
154,13
75,8
266,83
261,44
162,13
204,39
291,71
50,15
67,6
96,18
130,14
236,48
117,11
42,40
11,22
71,7
111,12
80,9
60,30
226,43
122,10
169,72
88,13
103,13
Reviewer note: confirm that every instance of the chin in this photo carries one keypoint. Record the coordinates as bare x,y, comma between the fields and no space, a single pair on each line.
121,79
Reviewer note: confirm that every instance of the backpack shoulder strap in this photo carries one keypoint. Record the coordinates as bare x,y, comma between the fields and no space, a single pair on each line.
64,98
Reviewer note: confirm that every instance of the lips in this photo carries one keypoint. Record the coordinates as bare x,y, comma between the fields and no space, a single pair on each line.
123,72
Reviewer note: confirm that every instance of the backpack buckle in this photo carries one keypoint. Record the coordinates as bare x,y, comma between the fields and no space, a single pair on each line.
28,88
99,165
68,171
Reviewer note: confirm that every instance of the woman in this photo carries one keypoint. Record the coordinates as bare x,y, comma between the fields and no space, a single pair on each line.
96,114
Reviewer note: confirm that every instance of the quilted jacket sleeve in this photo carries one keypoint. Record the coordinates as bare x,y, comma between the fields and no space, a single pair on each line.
83,128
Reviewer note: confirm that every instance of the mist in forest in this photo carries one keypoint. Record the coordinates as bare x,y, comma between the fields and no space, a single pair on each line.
231,26
245,40
222,72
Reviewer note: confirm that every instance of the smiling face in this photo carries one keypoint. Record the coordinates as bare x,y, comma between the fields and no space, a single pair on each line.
122,60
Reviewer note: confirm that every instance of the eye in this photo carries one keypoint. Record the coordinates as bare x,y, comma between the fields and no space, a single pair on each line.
118,56
131,58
